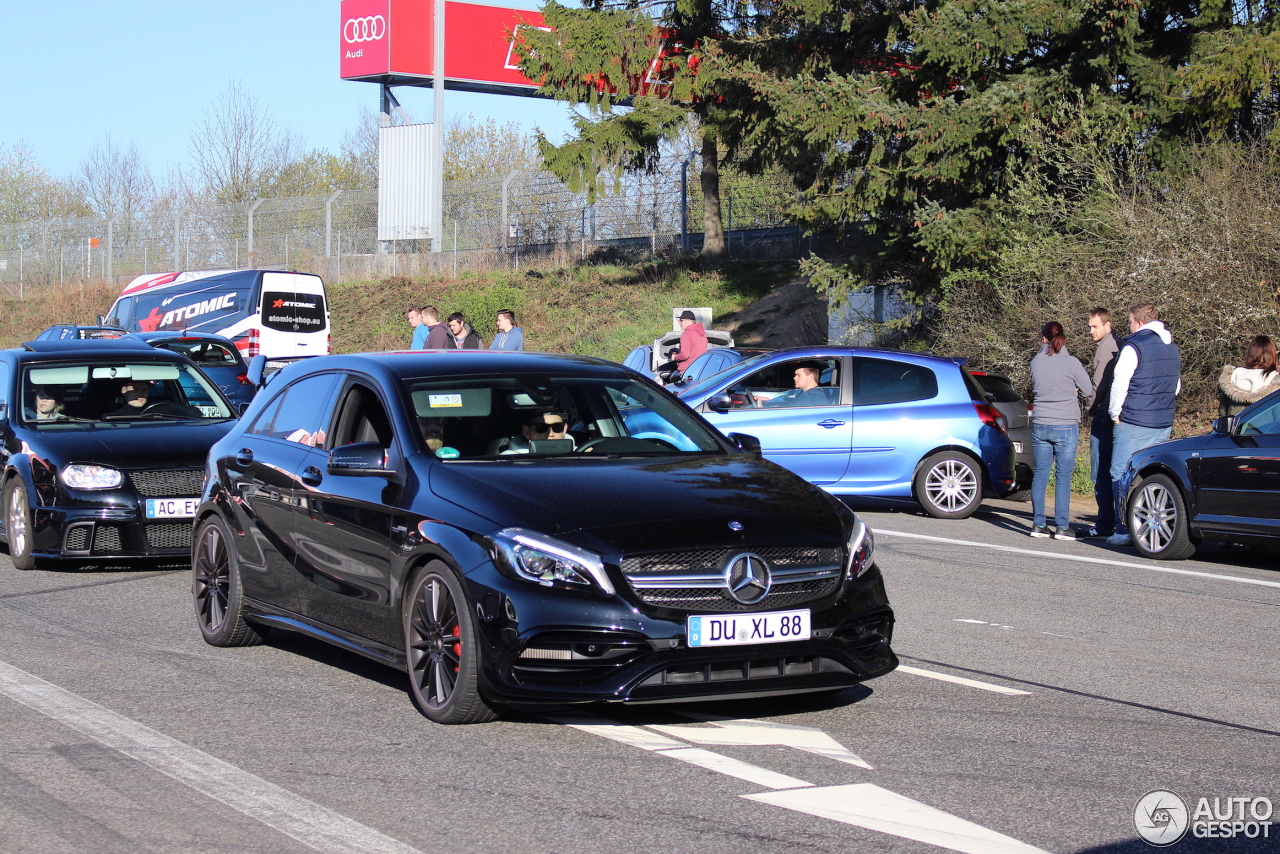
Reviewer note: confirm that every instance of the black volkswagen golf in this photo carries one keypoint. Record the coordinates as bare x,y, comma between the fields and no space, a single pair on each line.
102,449
516,528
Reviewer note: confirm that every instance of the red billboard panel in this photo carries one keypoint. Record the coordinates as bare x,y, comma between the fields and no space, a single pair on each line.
390,41
479,44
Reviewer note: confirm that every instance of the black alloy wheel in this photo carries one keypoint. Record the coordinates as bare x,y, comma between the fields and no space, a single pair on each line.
215,587
1158,520
17,524
440,644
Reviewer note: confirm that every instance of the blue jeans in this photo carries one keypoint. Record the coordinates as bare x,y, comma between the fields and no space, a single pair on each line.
1101,435
1050,444
1129,439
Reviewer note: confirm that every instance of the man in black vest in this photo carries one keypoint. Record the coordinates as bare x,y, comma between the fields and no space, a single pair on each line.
1143,392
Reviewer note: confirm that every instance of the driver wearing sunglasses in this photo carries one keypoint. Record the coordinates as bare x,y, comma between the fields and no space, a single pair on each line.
540,426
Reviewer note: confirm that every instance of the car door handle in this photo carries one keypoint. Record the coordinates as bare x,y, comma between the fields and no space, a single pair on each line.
312,476
244,456
830,422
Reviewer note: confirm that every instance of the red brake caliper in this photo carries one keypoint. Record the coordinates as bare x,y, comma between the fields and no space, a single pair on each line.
457,647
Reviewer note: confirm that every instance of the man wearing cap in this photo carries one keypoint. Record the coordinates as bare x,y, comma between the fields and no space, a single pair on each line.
693,340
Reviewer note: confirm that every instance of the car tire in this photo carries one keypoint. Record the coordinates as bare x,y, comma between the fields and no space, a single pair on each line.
17,524
442,649
1157,517
1023,495
216,589
948,485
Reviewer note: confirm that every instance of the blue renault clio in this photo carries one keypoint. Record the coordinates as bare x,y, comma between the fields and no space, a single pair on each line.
867,422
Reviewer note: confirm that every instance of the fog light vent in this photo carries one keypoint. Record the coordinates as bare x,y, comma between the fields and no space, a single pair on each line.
548,654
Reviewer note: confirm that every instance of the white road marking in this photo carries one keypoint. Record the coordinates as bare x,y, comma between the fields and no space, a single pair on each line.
293,815
1080,558
736,768
731,731
869,806
645,740
960,680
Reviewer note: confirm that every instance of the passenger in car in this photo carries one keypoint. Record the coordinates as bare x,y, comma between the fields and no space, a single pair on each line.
48,405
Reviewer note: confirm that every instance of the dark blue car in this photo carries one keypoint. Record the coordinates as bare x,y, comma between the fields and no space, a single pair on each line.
879,423
216,356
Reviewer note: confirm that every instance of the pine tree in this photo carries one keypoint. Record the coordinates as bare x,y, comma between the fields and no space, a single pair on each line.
636,77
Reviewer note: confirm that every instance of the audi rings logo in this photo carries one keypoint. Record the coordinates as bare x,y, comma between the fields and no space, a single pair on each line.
747,579
366,29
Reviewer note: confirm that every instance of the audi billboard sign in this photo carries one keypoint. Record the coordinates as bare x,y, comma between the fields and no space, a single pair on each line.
390,41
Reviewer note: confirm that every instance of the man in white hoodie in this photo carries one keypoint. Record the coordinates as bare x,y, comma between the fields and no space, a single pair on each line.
1143,393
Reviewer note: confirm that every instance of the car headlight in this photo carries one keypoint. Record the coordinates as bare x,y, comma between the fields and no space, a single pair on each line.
535,557
861,544
82,476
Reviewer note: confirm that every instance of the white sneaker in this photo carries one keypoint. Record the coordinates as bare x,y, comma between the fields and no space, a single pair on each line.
1119,540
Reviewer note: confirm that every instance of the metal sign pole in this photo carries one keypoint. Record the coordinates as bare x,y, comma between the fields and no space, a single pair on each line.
437,135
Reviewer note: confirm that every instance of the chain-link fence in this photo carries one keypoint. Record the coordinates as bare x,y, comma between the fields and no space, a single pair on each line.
509,218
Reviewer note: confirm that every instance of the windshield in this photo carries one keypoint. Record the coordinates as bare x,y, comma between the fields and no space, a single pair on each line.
496,418
707,383
104,392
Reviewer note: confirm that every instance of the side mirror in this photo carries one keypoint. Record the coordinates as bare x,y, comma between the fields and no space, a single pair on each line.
359,460
257,370
1226,424
103,320
746,443
721,403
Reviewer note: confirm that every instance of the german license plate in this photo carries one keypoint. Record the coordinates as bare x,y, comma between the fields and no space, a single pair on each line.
172,508
748,629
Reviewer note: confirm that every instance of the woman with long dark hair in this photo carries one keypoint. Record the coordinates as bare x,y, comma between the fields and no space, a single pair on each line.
1058,379
1255,379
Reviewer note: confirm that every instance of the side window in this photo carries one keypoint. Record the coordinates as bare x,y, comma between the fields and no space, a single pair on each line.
5,378
798,382
1265,422
300,412
362,418
880,381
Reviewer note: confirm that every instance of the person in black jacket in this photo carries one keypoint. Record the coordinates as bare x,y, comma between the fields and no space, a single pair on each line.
461,335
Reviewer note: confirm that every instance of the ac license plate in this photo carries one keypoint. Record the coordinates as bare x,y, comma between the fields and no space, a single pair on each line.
748,629
172,508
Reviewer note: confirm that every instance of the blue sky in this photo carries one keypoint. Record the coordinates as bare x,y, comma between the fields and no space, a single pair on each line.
145,71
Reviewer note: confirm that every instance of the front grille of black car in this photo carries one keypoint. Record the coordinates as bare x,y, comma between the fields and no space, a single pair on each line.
745,670
174,483
694,580
106,539
78,538
169,535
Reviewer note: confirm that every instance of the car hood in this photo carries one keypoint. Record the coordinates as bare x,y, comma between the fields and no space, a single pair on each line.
625,506
137,446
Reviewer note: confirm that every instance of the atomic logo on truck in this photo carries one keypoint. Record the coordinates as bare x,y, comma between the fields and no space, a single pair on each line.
157,320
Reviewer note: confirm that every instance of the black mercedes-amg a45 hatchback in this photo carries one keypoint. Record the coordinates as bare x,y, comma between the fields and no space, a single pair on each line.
518,528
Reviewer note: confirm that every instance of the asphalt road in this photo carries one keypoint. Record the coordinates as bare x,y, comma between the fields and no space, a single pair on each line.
1047,687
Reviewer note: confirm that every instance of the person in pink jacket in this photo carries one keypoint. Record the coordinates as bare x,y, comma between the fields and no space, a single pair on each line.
693,340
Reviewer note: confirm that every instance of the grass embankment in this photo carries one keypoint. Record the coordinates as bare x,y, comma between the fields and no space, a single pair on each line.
593,310
589,310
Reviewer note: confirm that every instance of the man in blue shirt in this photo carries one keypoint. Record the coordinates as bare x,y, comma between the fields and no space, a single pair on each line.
510,336
420,328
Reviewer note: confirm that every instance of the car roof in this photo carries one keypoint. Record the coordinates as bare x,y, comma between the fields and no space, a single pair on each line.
81,348
180,336
819,350
413,364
